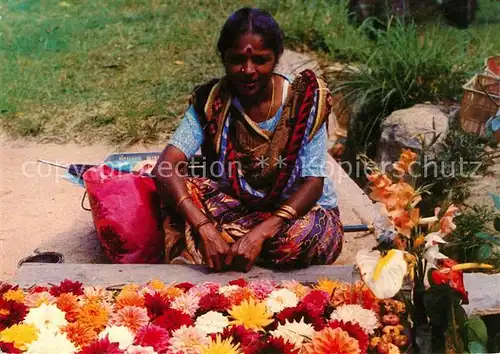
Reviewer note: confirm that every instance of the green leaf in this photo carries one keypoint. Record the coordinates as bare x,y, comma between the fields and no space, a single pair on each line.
476,348
497,223
484,251
496,200
476,331
485,236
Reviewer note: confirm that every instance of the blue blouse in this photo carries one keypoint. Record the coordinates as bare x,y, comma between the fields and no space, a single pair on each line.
312,161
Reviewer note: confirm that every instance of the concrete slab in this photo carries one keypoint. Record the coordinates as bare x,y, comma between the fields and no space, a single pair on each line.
117,274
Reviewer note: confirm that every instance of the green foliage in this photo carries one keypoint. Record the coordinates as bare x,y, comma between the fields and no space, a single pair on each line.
474,239
476,331
409,65
323,25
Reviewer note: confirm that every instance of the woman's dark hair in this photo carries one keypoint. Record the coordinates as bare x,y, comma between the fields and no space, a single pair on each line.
251,20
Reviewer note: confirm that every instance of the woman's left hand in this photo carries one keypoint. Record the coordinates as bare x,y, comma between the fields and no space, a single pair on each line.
245,251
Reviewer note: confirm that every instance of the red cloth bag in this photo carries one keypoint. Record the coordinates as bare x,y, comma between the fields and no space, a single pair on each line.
126,212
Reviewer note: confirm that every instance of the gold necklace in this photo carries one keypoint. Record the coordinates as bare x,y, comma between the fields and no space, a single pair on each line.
272,99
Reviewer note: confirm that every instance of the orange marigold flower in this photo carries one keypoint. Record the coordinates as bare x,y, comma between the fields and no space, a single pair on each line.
68,303
14,295
79,334
405,162
132,317
170,293
129,298
93,315
238,296
328,285
331,340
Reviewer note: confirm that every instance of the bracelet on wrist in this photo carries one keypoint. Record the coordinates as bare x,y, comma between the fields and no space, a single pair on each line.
200,224
181,200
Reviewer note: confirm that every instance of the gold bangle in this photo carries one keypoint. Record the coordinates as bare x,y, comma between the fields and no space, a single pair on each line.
290,210
283,214
200,224
181,200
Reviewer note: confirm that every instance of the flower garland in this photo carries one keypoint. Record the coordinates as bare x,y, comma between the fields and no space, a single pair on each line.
238,318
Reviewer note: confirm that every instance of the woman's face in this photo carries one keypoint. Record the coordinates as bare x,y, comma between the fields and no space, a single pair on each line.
249,64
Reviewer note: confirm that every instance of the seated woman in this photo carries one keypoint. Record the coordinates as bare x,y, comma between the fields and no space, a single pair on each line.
263,140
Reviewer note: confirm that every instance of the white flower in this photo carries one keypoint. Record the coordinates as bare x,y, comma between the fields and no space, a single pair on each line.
187,303
383,275
212,322
294,332
46,317
49,342
137,349
228,289
367,319
280,299
432,254
118,334
433,238
187,340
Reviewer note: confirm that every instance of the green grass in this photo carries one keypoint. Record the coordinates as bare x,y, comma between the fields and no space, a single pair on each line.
122,70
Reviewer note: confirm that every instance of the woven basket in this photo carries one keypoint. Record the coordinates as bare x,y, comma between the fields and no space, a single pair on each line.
480,102
492,66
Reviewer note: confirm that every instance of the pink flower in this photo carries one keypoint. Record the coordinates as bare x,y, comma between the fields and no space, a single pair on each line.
446,221
262,288
153,336
132,317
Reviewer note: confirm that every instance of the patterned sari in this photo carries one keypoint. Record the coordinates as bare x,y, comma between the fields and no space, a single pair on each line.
248,193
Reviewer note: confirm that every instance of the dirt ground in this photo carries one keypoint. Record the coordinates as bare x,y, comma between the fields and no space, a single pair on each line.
41,211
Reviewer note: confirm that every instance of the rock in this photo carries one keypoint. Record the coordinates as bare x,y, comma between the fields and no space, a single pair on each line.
355,208
401,129
484,294
292,63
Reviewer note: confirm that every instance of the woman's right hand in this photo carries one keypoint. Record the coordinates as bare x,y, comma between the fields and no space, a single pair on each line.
214,246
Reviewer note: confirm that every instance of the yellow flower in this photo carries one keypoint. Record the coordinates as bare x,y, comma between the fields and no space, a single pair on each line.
251,314
328,285
20,335
171,292
14,295
157,284
220,346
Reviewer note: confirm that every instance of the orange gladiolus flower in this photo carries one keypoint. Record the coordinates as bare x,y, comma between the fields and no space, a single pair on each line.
405,161
380,183
401,196
405,220
446,224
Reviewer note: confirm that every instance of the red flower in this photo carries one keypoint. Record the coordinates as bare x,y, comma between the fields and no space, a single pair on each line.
250,341
67,286
11,312
173,319
213,302
184,286
355,331
298,313
38,289
277,346
156,305
153,336
4,287
239,282
102,346
453,278
8,348
315,301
